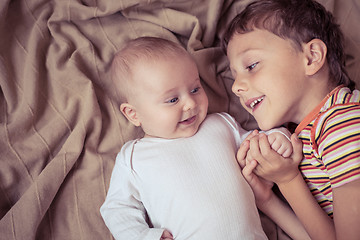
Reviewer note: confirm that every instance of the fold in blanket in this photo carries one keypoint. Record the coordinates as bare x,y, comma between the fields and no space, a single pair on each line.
60,129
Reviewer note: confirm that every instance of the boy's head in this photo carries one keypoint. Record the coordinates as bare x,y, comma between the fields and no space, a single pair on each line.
285,57
159,88
299,21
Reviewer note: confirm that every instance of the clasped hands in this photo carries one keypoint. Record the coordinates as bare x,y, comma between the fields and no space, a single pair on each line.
265,160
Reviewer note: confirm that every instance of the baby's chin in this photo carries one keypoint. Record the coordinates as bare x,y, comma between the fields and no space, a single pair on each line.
174,136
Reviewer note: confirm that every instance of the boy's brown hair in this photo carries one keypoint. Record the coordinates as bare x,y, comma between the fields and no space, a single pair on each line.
297,20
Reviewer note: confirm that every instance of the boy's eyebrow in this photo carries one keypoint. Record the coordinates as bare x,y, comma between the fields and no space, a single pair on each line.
249,49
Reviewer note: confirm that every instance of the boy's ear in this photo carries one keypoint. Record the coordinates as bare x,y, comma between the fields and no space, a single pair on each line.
315,52
130,113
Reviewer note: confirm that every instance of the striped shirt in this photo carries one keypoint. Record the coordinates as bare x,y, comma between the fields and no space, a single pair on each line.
331,145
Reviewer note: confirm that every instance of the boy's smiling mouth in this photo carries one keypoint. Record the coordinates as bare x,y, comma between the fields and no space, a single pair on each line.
252,103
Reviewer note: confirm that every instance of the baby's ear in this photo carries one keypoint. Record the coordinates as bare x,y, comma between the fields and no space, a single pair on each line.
129,112
315,52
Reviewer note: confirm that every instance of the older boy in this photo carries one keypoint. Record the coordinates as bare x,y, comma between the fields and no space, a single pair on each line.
288,63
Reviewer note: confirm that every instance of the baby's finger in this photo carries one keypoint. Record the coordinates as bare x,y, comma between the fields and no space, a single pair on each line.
283,148
287,153
276,146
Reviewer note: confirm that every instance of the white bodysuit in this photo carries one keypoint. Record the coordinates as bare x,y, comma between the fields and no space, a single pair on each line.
192,187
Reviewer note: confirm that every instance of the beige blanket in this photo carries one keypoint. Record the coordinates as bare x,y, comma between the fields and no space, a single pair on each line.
59,128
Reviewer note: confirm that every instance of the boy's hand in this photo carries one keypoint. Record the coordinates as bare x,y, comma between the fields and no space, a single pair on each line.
241,154
280,143
271,165
262,188
166,235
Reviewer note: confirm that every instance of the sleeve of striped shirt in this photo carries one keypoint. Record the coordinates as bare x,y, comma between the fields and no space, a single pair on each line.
339,145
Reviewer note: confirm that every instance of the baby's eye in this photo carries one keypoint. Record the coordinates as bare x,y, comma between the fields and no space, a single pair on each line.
173,100
252,66
195,90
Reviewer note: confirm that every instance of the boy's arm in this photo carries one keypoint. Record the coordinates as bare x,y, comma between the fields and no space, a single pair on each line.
267,201
285,218
285,173
347,210
317,223
339,149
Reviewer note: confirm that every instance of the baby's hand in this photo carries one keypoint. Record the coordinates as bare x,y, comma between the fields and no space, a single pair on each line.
281,144
166,235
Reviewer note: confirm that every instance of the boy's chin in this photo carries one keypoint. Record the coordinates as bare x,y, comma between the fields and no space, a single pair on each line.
264,126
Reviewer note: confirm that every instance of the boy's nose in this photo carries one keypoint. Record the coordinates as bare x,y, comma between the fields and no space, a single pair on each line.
239,86
189,104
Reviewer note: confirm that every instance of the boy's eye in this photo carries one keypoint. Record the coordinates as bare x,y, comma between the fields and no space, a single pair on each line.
252,66
173,100
195,90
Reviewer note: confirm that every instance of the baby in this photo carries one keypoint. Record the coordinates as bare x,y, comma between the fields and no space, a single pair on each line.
181,180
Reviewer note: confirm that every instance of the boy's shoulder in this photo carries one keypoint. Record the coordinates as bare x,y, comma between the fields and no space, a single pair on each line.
341,109
341,98
346,96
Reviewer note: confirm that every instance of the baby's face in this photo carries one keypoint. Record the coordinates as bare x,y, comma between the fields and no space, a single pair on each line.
170,101
270,77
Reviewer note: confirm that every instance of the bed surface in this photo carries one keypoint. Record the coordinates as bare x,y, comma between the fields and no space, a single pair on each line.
59,128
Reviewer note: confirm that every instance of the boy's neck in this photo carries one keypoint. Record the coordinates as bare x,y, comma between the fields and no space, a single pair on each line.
319,88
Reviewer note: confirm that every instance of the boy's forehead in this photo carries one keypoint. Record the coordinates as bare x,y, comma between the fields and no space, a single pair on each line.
254,40
240,43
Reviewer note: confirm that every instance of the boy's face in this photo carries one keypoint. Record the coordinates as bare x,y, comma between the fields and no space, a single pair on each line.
270,79
169,99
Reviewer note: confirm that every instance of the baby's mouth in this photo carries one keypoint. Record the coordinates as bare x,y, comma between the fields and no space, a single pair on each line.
188,120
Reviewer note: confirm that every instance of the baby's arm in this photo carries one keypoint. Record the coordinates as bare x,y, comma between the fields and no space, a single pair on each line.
123,212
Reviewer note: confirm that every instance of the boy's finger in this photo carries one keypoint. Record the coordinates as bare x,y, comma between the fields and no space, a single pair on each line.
297,148
265,148
255,149
264,143
242,152
248,170
252,134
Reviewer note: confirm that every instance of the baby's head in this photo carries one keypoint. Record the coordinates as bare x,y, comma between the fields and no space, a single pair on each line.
158,88
299,21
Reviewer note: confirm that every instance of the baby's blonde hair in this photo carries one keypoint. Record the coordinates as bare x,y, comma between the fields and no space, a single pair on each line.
136,51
